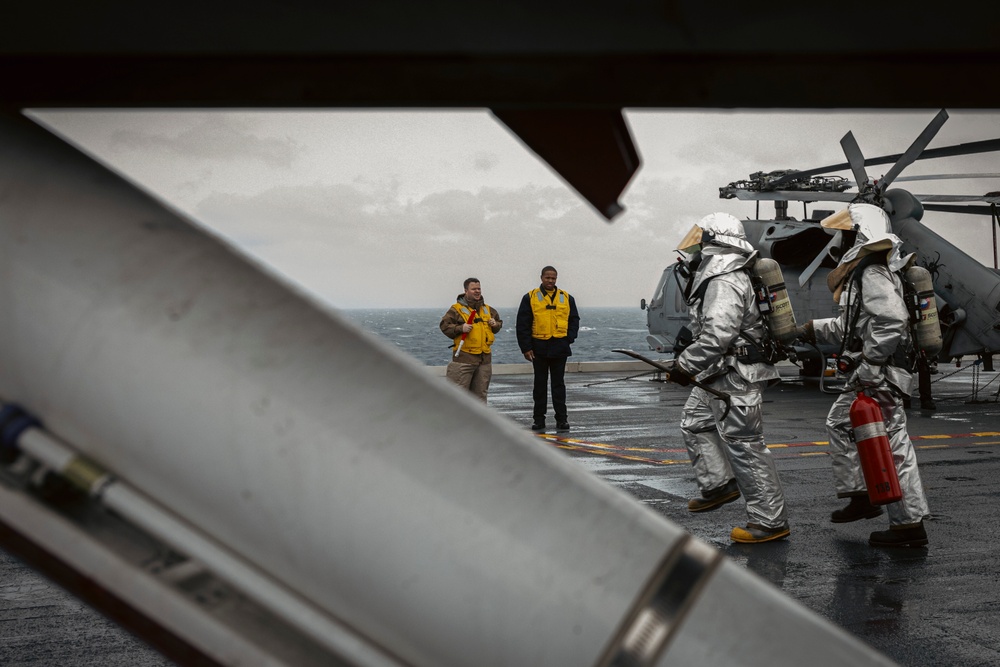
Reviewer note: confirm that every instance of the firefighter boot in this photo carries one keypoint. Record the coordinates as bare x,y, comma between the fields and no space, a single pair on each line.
910,535
715,498
754,533
860,507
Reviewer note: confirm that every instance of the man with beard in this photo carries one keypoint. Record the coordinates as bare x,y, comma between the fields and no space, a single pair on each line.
471,325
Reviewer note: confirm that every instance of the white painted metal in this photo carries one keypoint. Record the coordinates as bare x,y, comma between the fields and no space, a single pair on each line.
770,629
389,499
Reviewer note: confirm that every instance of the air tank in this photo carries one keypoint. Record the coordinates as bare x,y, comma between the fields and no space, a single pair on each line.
780,316
923,311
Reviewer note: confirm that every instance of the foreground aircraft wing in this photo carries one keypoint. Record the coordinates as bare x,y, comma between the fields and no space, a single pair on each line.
241,477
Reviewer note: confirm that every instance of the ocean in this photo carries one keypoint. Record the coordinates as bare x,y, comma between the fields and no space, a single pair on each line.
416,332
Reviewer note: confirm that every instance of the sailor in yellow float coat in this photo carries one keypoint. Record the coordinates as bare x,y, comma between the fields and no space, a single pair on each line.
471,364
547,324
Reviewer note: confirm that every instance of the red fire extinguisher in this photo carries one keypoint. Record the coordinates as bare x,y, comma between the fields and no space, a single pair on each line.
874,451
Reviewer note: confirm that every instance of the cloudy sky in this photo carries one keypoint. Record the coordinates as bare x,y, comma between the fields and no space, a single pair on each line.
395,208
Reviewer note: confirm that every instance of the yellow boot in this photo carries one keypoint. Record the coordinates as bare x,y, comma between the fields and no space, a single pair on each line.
754,533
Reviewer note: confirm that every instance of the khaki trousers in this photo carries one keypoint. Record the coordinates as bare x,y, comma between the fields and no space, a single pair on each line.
475,377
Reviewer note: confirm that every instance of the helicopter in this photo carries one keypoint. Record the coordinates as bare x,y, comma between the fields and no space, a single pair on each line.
967,292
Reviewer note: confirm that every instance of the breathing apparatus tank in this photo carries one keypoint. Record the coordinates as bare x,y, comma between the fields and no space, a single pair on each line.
773,301
923,311
874,451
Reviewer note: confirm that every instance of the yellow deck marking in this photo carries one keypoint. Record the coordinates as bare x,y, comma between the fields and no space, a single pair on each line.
807,443
622,452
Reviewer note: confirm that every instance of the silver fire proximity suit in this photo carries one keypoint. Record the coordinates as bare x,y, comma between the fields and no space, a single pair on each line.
725,322
874,318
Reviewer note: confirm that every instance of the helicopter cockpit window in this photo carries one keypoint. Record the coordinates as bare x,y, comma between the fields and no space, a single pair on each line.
680,305
657,300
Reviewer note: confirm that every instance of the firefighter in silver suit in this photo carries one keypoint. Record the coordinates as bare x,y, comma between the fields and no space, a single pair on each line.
728,452
874,333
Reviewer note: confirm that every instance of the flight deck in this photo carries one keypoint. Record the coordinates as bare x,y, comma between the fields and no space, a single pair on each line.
927,606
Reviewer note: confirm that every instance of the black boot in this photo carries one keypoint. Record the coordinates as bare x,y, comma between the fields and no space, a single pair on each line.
900,536
715,498
860,507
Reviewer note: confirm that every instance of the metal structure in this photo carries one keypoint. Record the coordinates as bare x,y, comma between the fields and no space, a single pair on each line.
220,464
557,73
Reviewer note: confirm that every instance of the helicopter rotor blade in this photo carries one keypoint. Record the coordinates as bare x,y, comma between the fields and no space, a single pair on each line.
968,209
915,149
855,158
990,198
940,177
793,195
811,269
812,197
969,148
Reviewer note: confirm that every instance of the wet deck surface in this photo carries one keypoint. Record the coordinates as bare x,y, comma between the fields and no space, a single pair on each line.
932,606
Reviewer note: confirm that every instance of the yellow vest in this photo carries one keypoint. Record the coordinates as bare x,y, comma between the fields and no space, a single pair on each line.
550,317
481,336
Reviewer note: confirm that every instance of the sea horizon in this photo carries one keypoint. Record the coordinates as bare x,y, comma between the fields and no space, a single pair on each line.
416,332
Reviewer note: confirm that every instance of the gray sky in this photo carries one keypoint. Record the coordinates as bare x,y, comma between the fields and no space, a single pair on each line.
396,208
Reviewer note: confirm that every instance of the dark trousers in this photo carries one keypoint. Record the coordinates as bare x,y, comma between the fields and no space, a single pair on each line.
924,382
544,367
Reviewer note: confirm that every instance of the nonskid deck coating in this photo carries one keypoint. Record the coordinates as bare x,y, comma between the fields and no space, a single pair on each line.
934,606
